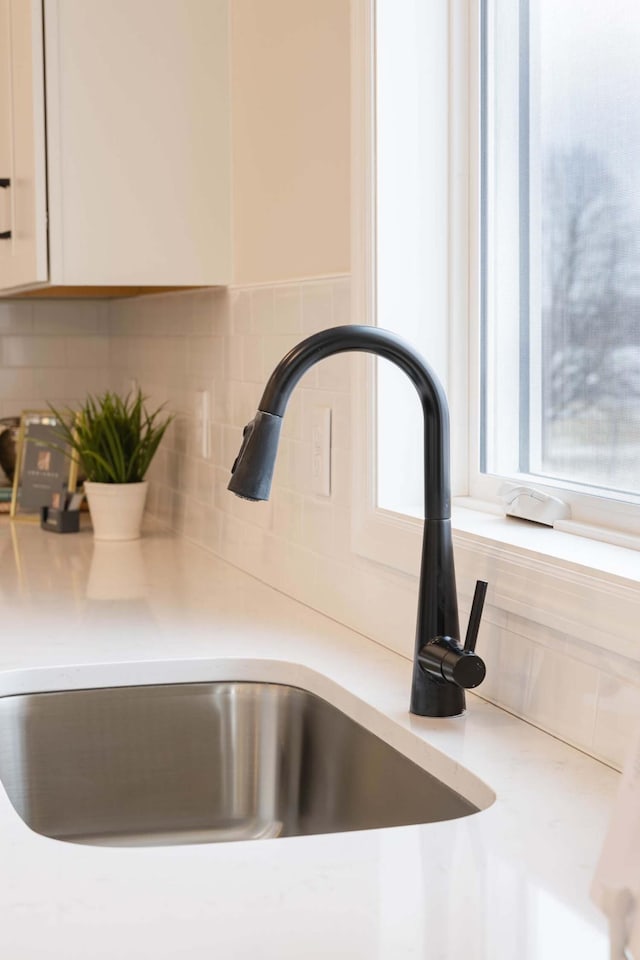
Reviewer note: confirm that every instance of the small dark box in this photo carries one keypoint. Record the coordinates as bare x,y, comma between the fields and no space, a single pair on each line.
59,521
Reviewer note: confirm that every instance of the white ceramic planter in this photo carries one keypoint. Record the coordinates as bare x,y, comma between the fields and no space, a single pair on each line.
116,509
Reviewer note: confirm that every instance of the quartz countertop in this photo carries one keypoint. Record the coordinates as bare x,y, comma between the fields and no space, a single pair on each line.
509,882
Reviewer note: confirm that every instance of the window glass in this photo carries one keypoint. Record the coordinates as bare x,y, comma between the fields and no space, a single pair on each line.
561,241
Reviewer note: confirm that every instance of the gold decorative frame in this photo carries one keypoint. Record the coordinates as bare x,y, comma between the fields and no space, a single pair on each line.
43,418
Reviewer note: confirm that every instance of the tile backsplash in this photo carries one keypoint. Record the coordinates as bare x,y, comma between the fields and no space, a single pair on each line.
51,351
226,343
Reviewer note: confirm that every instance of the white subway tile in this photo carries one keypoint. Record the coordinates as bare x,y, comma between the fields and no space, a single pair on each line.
163,504
274,348
489,647
336,373
178,510
241,312
103,310
180,435
337,588
231,442
342,533
244,401
35,403
282,472
241,543
193,519
188,475
34,351
215,442
252,365
219,358
221,401
201,361
287,310
87,351
342,303
341,479
232,367
211,530
562,696
173,476
168,353
16,316
204,315
16,383
287,514
292,424
291,568
317,306
121,316
259,513
65,317
222,498
262,311
300,467
318,526
55,384
514,670
151,505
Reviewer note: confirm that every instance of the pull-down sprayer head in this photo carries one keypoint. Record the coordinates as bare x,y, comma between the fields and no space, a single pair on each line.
252,471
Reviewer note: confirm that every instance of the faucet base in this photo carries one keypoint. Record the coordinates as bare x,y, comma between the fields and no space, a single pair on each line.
435,698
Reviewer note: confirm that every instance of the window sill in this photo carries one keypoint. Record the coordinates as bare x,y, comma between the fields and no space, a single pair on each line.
582,549
583,588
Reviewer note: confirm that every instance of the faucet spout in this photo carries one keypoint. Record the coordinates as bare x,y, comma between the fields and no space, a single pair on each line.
442,668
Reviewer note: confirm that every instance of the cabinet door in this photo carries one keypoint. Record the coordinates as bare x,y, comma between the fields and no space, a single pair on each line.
23,252
138,142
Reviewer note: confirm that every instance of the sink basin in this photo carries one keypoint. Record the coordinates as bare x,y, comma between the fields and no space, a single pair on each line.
204,762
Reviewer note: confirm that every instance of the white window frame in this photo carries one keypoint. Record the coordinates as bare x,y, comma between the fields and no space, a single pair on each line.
381,535
606,515
590,588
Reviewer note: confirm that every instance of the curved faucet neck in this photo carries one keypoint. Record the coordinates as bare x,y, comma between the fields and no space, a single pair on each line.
383,344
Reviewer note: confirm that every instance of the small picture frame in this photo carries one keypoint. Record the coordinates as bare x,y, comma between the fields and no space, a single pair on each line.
44,473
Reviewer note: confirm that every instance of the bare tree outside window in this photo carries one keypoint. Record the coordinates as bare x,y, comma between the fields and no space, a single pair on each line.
561,245
590,323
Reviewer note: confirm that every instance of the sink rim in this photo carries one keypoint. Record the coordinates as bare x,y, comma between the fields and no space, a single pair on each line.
406,734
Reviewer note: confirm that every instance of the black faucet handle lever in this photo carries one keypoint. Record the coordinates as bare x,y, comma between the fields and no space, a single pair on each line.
475,615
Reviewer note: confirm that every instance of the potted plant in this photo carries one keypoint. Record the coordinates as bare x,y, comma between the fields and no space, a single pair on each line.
114,439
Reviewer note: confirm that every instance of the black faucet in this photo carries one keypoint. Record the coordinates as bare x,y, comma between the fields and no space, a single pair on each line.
442,668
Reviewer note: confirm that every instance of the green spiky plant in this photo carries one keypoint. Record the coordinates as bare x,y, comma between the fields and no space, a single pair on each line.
114,438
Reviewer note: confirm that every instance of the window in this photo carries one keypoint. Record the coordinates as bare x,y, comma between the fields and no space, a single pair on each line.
507,246
560,242
583,588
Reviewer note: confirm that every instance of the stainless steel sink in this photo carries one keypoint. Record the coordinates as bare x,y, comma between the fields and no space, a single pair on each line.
204,762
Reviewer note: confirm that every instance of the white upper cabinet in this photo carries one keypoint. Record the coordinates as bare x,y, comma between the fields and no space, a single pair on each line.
23,211
134,169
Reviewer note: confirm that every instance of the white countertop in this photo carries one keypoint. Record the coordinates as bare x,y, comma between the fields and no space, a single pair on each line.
509,882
